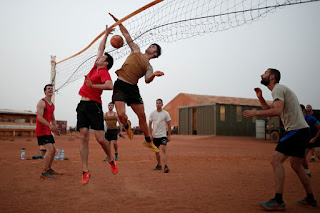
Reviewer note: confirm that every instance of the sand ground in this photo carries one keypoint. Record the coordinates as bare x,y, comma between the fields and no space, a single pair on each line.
207,174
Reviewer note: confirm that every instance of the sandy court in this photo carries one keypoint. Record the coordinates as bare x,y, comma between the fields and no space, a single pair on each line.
207,174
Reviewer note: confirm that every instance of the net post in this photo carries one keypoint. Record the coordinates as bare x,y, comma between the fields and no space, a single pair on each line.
53,77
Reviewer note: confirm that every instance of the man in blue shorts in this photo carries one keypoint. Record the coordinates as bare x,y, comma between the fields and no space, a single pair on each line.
286,105
314,139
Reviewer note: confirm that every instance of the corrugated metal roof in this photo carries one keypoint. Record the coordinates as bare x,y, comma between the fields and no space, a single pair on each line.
207,99
21,112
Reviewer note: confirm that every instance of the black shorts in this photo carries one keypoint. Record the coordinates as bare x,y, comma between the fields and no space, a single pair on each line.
90,114
310,145
44,139
160,141
125,92
317,143
294,143
111,134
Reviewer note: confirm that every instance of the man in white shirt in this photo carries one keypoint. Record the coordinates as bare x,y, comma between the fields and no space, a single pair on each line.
293,144
160,119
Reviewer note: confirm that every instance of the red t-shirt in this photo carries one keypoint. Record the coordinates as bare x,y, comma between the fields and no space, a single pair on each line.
42,129
96,76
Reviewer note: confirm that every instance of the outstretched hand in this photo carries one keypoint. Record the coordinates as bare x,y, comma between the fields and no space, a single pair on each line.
258,92
109,30
158,73
114,18
249,113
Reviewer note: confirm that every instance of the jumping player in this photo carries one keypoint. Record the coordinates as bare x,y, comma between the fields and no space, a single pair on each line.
46,123
126,90
89,110
285,104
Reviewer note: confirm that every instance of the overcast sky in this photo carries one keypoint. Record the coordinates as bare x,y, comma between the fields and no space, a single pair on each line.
227,63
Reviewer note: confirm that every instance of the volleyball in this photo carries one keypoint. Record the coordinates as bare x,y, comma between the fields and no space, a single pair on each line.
116,41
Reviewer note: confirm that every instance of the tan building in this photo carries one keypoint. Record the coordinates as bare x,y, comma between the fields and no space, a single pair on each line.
184,99
22,123
17,122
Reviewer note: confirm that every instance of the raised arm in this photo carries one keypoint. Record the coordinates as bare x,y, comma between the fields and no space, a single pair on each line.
133,46
263,102
102,45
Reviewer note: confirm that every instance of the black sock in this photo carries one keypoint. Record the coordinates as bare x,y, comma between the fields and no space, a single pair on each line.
148,139
126,126
310,197
278,198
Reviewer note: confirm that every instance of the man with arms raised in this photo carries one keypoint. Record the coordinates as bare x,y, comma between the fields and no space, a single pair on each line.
126,90
286,105
89,110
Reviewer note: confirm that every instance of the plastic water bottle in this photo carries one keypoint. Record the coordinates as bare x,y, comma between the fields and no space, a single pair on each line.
62,154
23,153
57,157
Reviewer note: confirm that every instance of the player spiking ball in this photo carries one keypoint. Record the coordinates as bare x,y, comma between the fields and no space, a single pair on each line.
126,91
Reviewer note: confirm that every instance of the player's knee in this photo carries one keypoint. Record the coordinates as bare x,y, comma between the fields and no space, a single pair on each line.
295,164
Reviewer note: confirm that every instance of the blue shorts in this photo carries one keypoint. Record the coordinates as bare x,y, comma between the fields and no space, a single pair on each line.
294,143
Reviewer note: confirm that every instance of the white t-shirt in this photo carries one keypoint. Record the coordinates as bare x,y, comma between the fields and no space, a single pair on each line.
292,116
159,121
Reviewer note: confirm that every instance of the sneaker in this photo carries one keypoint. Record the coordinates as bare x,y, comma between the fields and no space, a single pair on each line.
46,176
273,205
158,167
313,159
307,202
166,169
114,167
129,131
106,159
116,156
151,146
52,172
85,177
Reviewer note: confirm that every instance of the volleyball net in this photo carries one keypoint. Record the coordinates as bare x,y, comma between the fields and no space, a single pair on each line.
169,21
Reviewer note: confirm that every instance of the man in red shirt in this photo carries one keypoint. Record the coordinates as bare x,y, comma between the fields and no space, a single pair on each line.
89,110
46,123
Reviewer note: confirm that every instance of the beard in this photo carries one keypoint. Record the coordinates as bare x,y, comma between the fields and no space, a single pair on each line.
265,81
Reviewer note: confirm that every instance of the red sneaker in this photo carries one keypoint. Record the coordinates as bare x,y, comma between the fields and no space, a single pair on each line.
85,177
114,167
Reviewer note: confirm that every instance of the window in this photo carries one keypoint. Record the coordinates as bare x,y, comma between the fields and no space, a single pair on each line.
239,113
222,113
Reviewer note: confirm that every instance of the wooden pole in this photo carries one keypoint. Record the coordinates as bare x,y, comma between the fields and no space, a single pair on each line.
53,77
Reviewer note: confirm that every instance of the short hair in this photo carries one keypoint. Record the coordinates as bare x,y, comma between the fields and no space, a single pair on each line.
276,73
302,107
109,59
48,85
159,99
158,50
111,103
